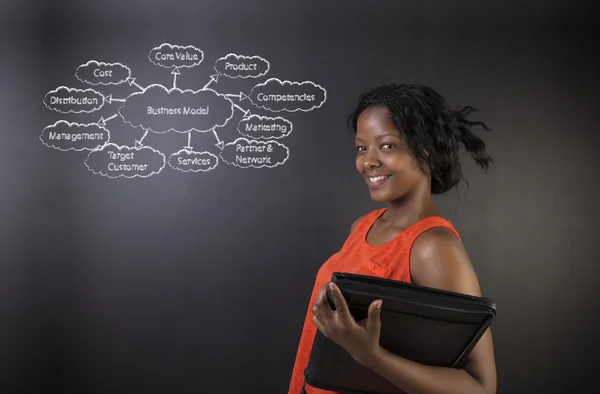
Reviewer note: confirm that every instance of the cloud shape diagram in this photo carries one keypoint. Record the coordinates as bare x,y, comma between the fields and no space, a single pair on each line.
246,153
190,161
170,56
65,100
114,161
241,66
276,95
266,127
160,110
68,136
101,73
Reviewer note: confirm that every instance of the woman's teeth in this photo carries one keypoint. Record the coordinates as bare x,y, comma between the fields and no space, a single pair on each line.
378,178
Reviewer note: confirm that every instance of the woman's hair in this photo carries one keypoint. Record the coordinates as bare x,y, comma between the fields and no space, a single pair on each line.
432,130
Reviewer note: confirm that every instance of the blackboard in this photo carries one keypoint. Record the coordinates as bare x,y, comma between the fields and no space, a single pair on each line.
174,173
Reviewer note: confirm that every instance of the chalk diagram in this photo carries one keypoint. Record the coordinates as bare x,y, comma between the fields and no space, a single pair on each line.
166,110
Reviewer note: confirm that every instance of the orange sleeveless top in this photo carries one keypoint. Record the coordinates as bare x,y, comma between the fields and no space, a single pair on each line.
391,260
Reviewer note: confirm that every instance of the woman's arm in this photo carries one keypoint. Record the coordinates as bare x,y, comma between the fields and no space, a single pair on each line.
439,260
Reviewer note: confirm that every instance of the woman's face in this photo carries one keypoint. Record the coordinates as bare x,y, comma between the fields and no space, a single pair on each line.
383,158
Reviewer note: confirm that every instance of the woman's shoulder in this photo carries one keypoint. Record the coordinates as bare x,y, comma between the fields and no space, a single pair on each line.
356,222
439,259
374,214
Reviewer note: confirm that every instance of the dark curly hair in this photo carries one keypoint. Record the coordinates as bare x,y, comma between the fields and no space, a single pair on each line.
432,130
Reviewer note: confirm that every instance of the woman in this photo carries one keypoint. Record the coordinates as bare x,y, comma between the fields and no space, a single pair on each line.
407,141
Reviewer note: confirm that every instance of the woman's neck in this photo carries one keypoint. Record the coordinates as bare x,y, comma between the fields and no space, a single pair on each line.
410,209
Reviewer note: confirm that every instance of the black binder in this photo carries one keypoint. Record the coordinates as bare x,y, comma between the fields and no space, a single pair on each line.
426,325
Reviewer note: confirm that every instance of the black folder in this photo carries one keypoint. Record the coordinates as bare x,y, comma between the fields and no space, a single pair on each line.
426,325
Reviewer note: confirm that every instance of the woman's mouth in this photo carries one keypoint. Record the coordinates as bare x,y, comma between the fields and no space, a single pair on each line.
377,181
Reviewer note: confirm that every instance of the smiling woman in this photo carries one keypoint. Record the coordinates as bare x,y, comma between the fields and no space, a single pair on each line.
407,141
422,125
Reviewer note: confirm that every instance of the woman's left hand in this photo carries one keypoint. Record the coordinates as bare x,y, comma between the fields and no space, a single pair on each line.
359,339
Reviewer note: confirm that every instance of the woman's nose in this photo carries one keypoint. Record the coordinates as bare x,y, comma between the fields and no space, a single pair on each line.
370,160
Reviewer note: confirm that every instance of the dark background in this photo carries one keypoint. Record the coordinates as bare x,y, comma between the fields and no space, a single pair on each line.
198,282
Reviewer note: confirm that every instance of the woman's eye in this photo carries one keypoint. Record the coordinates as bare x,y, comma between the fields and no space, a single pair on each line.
360,148
387,146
